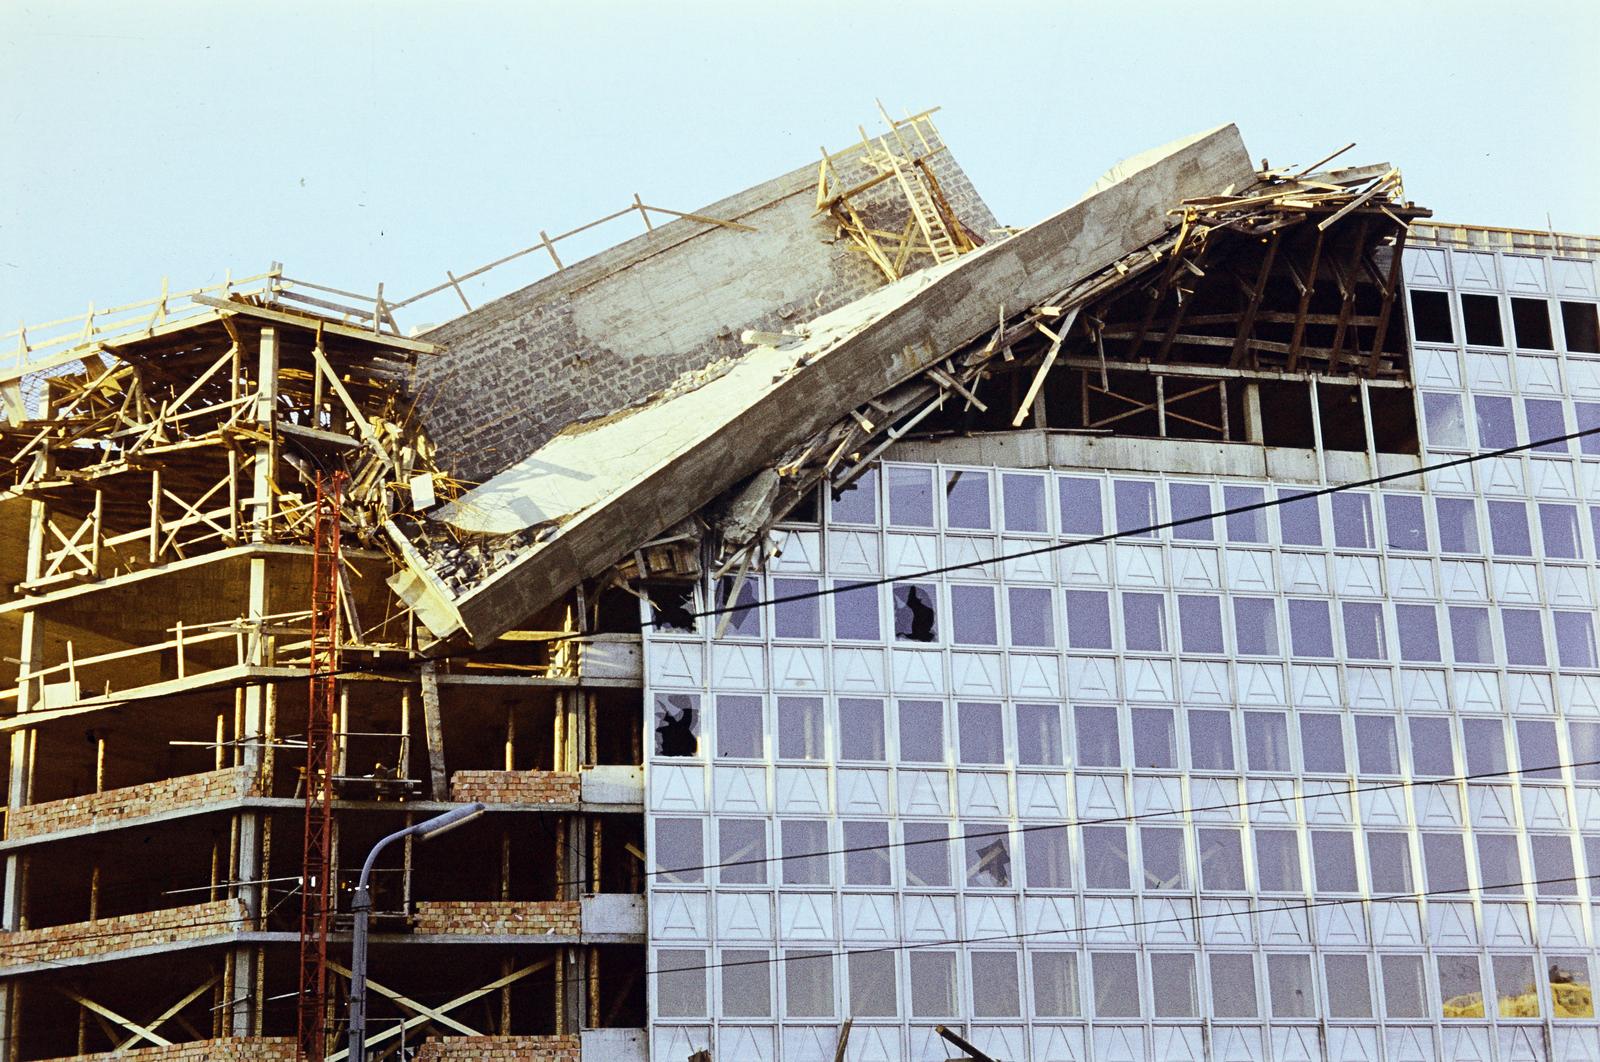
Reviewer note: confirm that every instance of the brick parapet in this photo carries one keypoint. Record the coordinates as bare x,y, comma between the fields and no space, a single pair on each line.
132,802
501,1049
487,918
517,787
231,1049
123,932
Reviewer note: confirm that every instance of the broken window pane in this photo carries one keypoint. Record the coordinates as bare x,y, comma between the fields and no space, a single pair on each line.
740,611
1389,863
1553,870
1524,633
1574,639
806,510
1248,526
1164,864
1547,422
1299,519
1485,743
677,724
983,737
1221,860
679,853
1460,987
855,611
1419,632
1310,633
805,848
933,984
746,983
1080,506
996,992
1470,640
1144,622
1048,859
1352,521
1363,630
1444,861
866,853
988,856
796,611
1266,741
1516,993
921,731
1136,507
966,500
1497,422
1458,525
1172,985
1033,621
1088,619
1116,984
1289,980
740,730
1105,857
1571,992
1480,320
1499,864
680,982
673,607
1233,985
1155,740
1430,317
1446,425
800,729
1579,322
1098,737
1191,512
916,612
808,984
1508,529
1405,994
1333,860
1039,735
1402,516
1278,860
1210,740
972,620
910,496
1255,626
872,985
1530,323
1322,743
1558,527
861,729
927,855
1055,984
1431,753
1023,501
1200,622
856,502
1377,747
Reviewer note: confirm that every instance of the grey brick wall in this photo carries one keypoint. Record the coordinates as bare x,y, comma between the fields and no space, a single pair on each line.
610,330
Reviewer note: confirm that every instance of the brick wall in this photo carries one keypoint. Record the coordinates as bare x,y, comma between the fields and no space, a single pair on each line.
123,932
135,801
253,1049
621,325
516,787
501,1049
482,918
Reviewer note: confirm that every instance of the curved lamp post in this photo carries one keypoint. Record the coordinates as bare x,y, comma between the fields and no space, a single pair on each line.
361,906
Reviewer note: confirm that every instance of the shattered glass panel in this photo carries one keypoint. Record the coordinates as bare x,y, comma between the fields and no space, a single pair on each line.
677,724
916,612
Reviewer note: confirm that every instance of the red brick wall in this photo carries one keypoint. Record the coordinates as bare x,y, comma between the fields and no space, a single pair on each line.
501,1049
135,801
123,932
516,787
497,917
254,1049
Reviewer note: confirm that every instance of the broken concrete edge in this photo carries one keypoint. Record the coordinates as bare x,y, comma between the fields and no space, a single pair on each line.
955,304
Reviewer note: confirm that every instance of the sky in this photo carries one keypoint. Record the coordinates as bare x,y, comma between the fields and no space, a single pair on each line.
366,142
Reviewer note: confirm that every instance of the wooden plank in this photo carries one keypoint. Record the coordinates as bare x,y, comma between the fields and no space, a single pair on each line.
1375,356
333,328
433,727
1241,343
1297,338
1056,339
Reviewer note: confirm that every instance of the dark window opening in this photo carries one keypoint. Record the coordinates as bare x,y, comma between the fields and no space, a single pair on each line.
1530,322
1480,320
1343,425
806,510
617,612
672,606
1286,415
1430,317
1582,325
1394,420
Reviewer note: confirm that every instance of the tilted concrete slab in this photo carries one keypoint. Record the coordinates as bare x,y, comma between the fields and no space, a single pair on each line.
611,485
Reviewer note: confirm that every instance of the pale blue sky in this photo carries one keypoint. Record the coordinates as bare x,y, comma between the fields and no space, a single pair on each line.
359,142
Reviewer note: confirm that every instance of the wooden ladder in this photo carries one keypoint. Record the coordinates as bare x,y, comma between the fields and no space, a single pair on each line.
923,208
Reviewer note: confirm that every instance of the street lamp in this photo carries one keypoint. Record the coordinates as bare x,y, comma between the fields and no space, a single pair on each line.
361,906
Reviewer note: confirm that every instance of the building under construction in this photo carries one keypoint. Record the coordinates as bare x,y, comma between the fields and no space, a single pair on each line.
876,633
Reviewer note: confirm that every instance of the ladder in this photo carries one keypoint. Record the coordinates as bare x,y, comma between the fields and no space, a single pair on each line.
316,891
924,210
